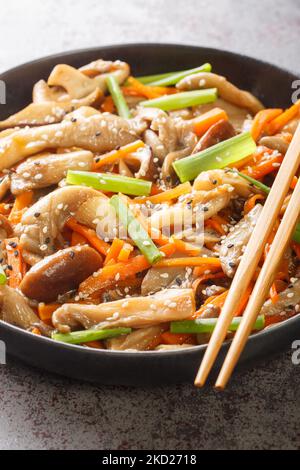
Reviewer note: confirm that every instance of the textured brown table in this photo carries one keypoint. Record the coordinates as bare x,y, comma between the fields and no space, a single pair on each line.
261,407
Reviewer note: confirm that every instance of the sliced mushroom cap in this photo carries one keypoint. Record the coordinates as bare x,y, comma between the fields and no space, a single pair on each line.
226,90
134,312
47,169
208,180
42,223
85,128
157,279
40,114
235,242
286,303
217,133
278,142
16,310
143,339
60,273
100,68
42,93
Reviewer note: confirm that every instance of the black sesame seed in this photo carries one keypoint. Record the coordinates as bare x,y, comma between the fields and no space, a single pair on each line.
98,134
214,182
205,209
47,241
72,254
97,159
168,178
231,245
37,214
9,266
13,244
1,260
178,281
73,119
118,147
231,264
16,253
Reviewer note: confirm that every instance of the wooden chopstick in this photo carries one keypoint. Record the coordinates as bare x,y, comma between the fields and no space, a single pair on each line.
262,286
252,255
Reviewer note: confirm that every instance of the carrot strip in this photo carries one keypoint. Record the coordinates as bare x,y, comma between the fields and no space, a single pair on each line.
217,223
193,261
205,121
278,123
5,208
94,344
186,248
264,167
15,263
215,301
114,250
250,203
112,157
125,252
177,338
274,294
148,91
77,239
262,119
108,105
90,235
208,277
22,201
166,196
36,331
45,311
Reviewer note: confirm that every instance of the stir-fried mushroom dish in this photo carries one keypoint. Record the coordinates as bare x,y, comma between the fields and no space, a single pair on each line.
126,205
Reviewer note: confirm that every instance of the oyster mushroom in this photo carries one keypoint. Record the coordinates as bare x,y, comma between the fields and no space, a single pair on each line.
157,279
287,301
217,133
48,169
143,339
50,112
208,180
233,245
60,273
226,90
85,128
78,84
42,223
276,142
135,312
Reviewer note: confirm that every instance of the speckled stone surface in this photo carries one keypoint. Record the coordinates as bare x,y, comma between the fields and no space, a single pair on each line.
260,409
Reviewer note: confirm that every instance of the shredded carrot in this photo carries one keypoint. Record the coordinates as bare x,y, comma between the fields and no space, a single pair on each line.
155,190
215,301
186,248
193,261
36,331
108,105
205,121
217,223
90,235
264,167
5,209
244,300
250,203
22,201
279,122
177,338
125,252
16,266
114,251
205,269
94,344
45,312
208,277
112,157
294,182
148,91
166,196
77,239
262,119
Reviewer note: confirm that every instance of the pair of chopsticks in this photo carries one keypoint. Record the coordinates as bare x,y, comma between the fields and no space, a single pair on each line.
248,265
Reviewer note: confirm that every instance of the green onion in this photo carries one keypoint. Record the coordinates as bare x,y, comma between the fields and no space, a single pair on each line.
3,277
207,325
218,156
182,100
110,183
85,336
136,231
171,78
267,189
117,96
254,182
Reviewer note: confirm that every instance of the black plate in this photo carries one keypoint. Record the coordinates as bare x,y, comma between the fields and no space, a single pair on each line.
269,83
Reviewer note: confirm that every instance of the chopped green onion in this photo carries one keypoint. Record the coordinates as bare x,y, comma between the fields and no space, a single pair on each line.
218,156
3,277
85,336
171,78
135,230
254,182
110,183
207,325
117,96
182,100
267,189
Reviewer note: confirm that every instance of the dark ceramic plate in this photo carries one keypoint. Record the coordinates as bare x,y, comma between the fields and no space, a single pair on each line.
269,83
